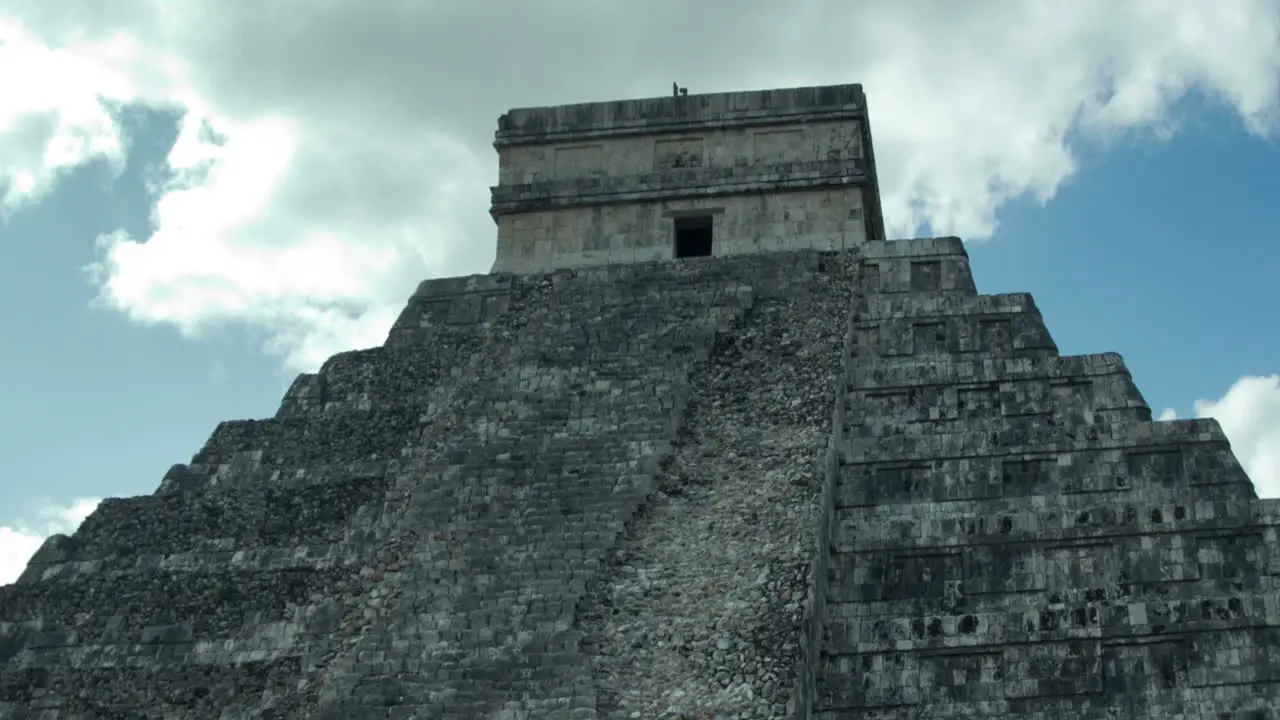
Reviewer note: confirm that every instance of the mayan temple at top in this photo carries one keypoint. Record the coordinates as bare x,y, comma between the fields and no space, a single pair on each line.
685,176
703,445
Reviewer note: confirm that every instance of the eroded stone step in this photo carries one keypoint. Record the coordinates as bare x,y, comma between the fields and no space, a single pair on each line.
914,570
1028,619
1200,675
251,516
1245,597
942,411
328,439
1113,472
173,689
200,605
921,397
55,561
875,373
1165,440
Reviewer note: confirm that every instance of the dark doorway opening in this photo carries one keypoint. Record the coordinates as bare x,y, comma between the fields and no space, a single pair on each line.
693,236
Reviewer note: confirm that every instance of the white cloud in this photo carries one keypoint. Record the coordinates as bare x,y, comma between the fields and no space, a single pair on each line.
18,544
53,119
1249,413
334,156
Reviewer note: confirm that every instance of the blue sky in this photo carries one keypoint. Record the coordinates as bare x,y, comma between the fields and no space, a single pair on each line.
1164,251
243,233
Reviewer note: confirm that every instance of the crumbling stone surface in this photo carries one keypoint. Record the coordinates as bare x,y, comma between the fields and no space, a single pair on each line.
702,613
801,485
410,536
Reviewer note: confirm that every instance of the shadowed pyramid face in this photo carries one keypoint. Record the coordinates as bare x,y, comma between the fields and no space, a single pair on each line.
828,483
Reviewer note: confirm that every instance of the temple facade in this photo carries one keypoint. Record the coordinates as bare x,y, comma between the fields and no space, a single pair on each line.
685,176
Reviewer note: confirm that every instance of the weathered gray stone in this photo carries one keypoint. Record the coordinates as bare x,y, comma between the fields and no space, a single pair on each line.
604,183
778,485
1012,536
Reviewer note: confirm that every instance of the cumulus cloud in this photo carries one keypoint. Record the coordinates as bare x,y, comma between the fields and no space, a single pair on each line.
333,154
19,543
55,119
1249,413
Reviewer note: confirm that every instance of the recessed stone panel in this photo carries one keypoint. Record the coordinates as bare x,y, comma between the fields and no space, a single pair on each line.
903,576
776,146
1023,477
995,335
928,338
926,276
676,153
1053,669
871,681
1156,467
871,277
1005,568
978,402
960,678
578,161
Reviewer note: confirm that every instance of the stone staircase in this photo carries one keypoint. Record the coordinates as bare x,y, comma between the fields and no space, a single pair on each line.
412,535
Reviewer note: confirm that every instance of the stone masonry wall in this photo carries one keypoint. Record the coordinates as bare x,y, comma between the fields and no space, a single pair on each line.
585,121
824,219
714,148
417,531
798,485
1013,537
593,184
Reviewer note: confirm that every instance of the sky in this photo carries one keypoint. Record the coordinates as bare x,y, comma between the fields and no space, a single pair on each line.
200,200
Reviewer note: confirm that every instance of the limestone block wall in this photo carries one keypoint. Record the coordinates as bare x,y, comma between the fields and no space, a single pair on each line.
423,529
825,220
540,459
716,148
791,485
670,114
590,184
1013,537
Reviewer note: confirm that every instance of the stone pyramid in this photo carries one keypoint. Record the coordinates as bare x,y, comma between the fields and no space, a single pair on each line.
703,445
